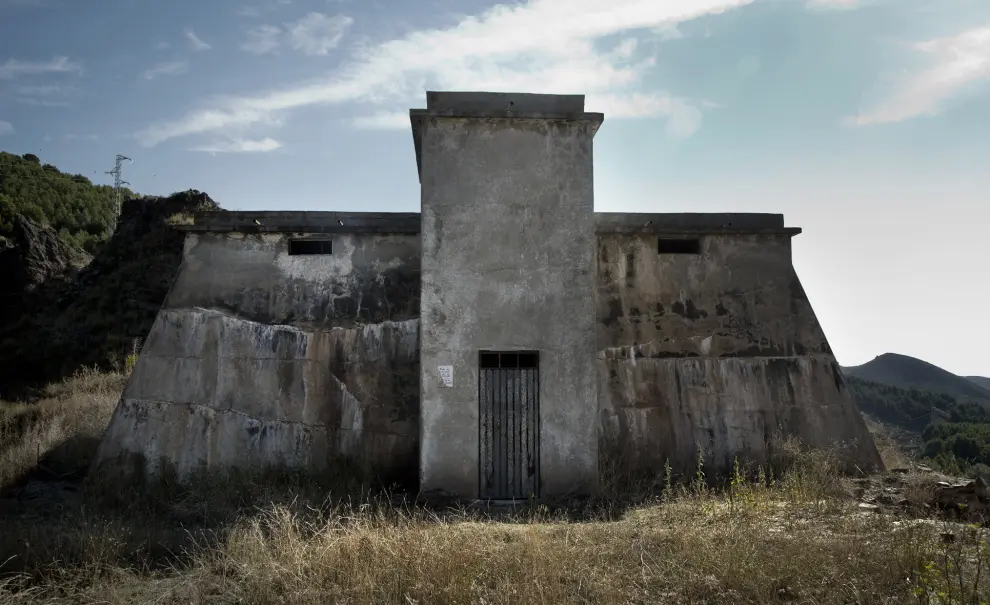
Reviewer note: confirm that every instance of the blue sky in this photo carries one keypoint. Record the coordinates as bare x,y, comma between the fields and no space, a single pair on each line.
866,122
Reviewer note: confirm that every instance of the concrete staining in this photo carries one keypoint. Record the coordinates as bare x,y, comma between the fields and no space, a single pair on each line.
521,282
259,357
718,350
633,338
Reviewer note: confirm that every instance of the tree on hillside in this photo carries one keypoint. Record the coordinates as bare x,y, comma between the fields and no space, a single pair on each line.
80,211
956,432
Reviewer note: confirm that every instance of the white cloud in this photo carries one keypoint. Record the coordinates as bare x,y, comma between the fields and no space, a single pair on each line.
314,34
262,40
833,4
168,68
507,48
14,68
957,62
48,95
385,120
46,90
683,118
42,102
6,128
240,146
668,31
195,42
318,34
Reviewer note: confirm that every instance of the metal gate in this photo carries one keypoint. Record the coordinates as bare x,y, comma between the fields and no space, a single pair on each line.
509,430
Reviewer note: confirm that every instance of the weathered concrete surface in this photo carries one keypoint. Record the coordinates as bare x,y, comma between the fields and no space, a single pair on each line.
367,279
508,264
260,358
719,350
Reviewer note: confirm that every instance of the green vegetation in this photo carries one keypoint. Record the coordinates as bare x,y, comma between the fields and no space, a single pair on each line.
956,432
80,211
960,445
180,218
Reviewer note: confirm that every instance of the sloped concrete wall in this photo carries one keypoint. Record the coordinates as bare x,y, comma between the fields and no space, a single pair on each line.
719,351
259,358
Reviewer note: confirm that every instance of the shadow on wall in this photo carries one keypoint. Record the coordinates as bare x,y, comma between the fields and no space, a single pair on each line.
92,317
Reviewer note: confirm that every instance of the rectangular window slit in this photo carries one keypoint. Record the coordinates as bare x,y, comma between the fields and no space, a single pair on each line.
310,246
679,246
522,359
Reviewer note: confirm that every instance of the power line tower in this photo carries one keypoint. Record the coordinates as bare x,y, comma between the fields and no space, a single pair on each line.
117,182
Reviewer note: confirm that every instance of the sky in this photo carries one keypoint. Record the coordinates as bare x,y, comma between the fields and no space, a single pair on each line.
865,122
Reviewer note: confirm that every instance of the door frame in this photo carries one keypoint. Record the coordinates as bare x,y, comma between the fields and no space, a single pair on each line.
517,483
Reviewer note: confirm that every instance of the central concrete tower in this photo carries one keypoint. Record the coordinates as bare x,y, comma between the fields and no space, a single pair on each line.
507,316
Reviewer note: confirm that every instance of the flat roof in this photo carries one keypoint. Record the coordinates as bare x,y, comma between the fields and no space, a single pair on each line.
304,222
409,222
496,105
692,222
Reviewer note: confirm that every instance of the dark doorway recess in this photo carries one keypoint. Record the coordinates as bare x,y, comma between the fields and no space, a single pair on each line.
509,427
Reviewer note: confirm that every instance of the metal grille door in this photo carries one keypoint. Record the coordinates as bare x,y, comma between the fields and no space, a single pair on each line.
509,396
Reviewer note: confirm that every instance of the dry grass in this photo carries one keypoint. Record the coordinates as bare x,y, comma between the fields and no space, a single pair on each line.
795,539
57,434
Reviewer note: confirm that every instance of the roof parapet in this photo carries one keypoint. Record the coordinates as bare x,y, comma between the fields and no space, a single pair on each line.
700,223
497,106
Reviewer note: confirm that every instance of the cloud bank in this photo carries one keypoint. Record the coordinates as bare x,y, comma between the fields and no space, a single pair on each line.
507,48
14,68
955,63
240,146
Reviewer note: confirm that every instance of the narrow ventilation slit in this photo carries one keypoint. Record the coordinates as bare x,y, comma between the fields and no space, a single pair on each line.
299,247
678,246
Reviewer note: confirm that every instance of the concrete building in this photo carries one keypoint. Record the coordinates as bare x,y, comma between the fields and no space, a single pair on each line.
506,342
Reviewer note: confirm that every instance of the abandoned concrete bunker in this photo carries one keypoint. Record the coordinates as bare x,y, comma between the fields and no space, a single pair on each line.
505,342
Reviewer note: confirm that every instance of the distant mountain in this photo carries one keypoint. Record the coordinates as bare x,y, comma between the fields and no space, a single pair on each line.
911,373
982,381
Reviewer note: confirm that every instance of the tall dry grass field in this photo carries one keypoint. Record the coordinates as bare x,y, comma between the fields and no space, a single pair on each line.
797,538
57,434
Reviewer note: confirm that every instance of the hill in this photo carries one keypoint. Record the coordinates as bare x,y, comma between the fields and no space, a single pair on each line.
908,372
80,212
65,316
955,432
982,381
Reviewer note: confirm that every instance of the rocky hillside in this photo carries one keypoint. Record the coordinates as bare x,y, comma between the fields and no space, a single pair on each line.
63,312
910,373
